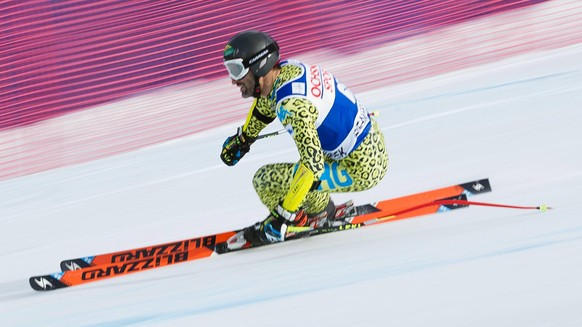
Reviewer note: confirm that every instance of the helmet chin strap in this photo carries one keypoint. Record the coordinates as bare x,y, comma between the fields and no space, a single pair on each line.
257,88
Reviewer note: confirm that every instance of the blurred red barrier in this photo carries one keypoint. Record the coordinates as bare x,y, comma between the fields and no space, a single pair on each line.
62,56
91,66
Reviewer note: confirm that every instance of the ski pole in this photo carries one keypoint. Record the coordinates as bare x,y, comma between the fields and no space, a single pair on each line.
542,208
281,131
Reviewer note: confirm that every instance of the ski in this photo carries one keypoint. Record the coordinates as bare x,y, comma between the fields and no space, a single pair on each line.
97,267
351,221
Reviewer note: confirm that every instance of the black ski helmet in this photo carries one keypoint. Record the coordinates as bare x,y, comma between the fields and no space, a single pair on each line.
258,50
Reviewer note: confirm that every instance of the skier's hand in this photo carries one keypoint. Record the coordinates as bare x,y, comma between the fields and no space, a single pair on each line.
235,147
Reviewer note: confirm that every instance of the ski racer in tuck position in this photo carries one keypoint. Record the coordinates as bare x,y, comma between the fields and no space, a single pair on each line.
341,149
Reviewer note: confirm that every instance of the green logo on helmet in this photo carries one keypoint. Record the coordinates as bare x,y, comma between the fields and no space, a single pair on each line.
228,50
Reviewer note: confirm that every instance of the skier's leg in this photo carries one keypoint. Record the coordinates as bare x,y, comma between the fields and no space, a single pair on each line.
361,170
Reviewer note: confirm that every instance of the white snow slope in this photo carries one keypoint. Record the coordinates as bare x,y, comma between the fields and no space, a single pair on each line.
517,122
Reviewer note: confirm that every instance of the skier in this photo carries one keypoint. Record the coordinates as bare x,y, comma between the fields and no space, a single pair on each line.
341,149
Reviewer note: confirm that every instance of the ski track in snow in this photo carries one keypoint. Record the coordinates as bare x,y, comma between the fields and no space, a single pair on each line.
516,122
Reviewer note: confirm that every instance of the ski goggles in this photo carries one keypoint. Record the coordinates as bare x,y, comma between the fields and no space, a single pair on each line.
236,68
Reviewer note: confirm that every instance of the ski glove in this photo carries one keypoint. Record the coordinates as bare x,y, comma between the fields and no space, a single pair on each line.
235,147
274,228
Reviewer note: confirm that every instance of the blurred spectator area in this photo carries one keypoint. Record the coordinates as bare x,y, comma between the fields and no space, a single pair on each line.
81,80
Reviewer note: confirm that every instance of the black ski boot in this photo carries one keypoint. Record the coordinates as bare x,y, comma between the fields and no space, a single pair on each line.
323,218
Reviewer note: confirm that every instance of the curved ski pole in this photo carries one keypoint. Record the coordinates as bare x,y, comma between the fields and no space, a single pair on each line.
542,208
391,216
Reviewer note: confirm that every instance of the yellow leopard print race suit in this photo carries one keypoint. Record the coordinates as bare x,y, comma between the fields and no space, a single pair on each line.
362,169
